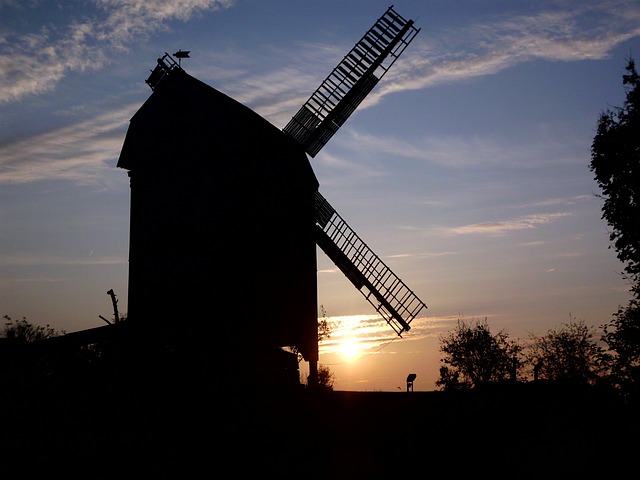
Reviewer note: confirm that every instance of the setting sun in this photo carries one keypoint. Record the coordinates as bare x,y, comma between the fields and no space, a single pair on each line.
349,348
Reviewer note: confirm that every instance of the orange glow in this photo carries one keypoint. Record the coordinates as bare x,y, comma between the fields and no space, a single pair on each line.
349,348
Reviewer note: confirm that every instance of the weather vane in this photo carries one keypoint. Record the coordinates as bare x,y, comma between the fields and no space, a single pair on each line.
181,54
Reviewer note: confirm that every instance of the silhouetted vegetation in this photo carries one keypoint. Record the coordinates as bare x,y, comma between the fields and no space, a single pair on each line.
473,356
150,417
622,336
325,378
615,160
569,355
324,331
22,331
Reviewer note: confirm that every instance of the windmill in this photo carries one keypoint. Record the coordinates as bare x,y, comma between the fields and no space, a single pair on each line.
217,191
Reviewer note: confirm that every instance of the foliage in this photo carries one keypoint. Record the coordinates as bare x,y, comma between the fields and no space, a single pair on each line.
324,332
324,329
622,336
615,160
325,378
450,379
569,354
25,332
473,356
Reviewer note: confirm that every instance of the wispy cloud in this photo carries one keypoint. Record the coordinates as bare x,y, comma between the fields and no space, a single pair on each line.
18,260
552,202
371,332
81,152
30,280
504,226
276,94
34,62
580,31
584,30
451,151
537,243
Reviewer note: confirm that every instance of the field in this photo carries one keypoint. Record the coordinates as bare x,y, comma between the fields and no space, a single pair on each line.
176,430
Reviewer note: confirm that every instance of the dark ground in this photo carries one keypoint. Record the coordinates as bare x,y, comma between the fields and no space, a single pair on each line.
174,430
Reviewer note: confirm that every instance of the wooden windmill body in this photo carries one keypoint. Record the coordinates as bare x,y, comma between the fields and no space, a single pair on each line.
226,214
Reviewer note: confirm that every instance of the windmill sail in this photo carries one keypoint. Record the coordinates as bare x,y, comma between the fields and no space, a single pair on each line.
391,298
351,81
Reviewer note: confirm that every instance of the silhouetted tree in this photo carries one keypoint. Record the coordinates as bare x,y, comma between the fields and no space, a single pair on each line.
324,329
622,336
23,331
325,378
569,354
450,379
473,356
21,361
615,160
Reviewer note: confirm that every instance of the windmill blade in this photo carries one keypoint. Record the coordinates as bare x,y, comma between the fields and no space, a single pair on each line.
389,295
351,81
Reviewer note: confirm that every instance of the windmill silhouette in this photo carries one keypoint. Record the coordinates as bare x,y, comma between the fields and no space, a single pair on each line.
226,214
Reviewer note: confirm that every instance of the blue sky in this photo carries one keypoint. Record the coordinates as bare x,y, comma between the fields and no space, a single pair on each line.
466,169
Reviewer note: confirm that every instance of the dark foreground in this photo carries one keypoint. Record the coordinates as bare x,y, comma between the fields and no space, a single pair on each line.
178,431
181,431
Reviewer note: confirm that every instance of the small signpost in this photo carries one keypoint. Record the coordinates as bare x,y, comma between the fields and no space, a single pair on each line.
410,378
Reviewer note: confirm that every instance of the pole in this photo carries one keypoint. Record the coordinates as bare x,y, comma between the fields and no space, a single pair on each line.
114,301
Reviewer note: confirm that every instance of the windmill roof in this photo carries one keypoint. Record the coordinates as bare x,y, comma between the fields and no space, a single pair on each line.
186,122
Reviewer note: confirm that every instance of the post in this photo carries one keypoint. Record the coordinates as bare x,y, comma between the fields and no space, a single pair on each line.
410,378
114,301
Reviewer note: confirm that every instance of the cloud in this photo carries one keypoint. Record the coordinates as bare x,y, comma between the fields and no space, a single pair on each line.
276,94
371,332
557,201
536,243
34,279
503,226
586,30
582,31
34,62
31,260
450,151
82,152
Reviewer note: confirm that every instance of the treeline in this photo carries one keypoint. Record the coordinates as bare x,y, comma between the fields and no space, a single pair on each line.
574,353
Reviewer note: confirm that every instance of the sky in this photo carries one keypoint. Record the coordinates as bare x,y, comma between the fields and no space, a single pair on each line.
466,169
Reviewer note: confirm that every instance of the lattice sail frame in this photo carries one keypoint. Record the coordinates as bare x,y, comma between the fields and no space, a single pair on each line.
165,65
389,295
351,81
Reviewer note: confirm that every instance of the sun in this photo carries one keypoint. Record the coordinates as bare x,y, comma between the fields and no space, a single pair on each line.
349,348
